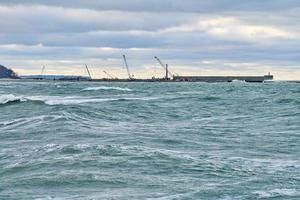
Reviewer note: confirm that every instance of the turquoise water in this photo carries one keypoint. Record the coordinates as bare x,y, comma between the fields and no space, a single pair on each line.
80,140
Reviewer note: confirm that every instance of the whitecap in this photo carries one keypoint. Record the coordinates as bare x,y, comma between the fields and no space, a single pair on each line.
26,122
106,88
80,100
9,98
67,100
60,100
278,193
190,92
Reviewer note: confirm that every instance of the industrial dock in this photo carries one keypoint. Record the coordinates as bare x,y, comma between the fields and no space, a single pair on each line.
167,77
213,79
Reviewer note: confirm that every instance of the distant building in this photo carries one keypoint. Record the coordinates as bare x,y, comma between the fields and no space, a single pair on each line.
7,73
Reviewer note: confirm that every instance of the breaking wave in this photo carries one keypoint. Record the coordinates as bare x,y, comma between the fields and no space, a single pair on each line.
69,100
106,88
278,193
10,98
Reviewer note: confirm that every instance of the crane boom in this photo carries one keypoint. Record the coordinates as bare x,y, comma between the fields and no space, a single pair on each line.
164,66
109,75
160,62
127,68
43,69
88,71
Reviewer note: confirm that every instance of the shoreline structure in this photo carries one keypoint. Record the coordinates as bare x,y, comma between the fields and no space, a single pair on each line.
169,76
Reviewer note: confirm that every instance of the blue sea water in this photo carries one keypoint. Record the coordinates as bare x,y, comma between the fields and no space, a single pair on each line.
86,140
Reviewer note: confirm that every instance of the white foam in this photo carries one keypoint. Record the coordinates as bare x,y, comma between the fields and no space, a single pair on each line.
238,81
191,92
75,101
4,99
67,100
272,165
278,193
106,88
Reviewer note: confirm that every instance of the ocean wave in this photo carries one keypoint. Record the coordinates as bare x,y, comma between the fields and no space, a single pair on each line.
103,150
24,121
287,101
80,100
57,100
190,92
66,100
106,88
278,193
10,98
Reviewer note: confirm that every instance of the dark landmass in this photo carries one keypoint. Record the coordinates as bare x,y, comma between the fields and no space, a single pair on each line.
7,73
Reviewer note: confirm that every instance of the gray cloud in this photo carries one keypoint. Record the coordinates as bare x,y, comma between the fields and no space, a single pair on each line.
210,34
166,5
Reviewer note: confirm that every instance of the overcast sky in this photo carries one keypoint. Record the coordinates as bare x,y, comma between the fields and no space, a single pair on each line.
205,37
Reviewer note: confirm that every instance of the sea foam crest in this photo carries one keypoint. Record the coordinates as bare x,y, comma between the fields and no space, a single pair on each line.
278,193
10,98
106,88
66,100
69,100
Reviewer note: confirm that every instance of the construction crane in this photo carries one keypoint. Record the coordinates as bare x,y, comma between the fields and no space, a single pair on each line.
110,76
168,72
130,76
88,71
43,69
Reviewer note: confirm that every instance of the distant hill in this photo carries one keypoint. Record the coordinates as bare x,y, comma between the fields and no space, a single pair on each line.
7,73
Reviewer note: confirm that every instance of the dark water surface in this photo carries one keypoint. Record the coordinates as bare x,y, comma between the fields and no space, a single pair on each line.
61,140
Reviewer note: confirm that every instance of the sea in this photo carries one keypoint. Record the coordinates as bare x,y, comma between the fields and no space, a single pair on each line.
156,141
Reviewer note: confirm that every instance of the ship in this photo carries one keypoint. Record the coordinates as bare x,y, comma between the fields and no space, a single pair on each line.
214,79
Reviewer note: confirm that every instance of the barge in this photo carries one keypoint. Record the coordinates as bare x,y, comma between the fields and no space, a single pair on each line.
213,79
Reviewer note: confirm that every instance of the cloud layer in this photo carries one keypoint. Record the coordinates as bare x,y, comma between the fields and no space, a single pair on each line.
207,37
